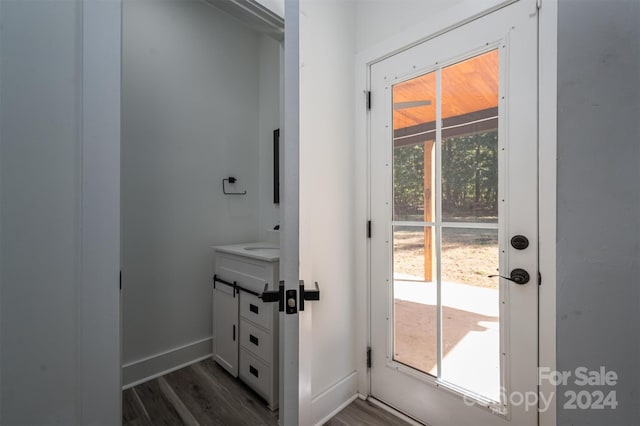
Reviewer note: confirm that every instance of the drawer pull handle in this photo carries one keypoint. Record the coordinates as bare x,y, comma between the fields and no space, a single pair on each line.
253,370
253,308
253,339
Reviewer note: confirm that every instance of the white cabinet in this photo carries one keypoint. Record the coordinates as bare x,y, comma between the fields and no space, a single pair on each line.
245,338
225,328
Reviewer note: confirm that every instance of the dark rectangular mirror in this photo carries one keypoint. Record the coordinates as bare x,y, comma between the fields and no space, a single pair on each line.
276,166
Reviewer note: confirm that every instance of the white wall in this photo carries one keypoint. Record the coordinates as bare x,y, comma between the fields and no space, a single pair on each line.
192,91
378,20
326,198
59,135
328,224
268,121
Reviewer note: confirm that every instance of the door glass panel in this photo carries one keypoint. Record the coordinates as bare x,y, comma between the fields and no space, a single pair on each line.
470,140
414,297
470,310
414,258
414,115
470,300
463,322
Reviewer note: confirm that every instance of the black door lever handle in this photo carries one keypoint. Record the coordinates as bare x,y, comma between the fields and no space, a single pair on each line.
308,294
518,276
274,296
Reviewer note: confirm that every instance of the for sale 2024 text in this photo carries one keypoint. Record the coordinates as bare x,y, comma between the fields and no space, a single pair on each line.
598,393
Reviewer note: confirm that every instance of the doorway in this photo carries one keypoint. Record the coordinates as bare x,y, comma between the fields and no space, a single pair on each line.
200,100
453,265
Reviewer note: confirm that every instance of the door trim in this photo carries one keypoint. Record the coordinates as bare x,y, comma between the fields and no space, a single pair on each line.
547,118
547,184
295,329
98,345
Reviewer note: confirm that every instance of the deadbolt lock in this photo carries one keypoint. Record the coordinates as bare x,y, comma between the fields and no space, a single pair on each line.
519,242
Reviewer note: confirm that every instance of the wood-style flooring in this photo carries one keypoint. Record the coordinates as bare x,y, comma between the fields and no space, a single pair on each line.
204,394
364,413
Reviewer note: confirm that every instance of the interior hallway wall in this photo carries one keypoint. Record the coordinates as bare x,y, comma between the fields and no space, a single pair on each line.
598,222
40,212
59,202
326,194
191,93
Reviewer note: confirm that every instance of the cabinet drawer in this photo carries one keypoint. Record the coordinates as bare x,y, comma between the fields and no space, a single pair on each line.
248,273
256,341
254,310
255,373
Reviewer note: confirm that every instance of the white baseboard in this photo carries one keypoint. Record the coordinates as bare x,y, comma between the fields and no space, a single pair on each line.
156,365
330,402
395,412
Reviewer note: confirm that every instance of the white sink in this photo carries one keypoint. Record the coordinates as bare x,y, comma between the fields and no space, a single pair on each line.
262,248
259,250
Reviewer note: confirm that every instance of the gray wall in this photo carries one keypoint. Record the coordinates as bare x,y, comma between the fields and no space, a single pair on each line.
598,224
59,247
191,117
40,211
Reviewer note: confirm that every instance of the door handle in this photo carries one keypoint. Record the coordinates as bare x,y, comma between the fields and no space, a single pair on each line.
518,276
274,296
308,294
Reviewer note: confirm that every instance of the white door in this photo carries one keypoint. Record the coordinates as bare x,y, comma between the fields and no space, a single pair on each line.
453,181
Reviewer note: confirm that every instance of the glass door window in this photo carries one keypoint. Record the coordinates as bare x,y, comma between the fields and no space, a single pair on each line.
445,224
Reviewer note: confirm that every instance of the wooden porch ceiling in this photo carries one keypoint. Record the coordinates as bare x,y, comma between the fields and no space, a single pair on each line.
468,87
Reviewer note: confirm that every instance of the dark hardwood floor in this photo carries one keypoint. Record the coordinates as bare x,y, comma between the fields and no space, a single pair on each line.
204,394
200,394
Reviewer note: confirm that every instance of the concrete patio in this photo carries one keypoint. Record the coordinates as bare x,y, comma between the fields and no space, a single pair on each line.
470,332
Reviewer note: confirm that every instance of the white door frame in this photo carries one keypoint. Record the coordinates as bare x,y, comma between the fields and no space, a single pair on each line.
98,347
547,184
295,329
547,107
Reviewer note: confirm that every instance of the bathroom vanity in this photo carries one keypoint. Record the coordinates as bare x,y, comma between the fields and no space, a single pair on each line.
245,329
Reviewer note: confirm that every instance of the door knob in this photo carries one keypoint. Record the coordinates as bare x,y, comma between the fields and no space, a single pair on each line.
519,242
518,276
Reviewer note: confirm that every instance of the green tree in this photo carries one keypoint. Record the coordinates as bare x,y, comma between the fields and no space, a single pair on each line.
408,182
469,178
